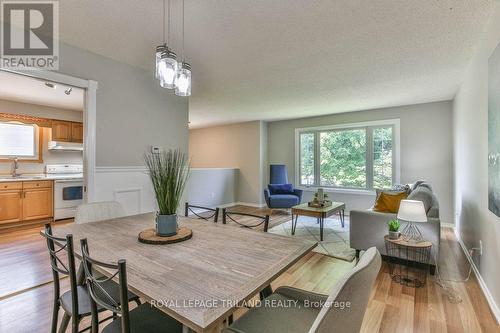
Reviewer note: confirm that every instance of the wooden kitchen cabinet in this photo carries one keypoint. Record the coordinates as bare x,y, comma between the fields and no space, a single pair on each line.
67,131
26,201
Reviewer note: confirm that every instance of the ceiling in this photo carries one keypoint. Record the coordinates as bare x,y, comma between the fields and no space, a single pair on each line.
25,89
278,59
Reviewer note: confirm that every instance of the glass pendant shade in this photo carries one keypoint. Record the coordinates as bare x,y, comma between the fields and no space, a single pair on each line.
168,68
159,51
183,81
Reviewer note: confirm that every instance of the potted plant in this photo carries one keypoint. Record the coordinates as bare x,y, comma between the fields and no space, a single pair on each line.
168,172
393,229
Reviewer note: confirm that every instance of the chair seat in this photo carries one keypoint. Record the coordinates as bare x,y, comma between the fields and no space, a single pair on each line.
84,300
146,319
283,200
276,319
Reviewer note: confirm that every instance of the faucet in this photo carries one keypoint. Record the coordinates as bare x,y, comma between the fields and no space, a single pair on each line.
15,166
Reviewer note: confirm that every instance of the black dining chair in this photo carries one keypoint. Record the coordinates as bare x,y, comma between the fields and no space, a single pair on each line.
249,219
143,319
190,208
74,302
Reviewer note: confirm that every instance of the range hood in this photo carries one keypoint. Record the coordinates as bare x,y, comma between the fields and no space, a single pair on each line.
65,146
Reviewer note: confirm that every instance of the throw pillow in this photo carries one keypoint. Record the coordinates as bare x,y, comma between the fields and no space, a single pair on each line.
280,188
422,193
388,202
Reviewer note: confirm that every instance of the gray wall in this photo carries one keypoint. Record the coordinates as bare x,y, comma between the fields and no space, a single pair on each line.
426,148
212,187
232,146
133,112
474,221
49,157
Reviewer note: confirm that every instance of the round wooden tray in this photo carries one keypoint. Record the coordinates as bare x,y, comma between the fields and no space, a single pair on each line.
149,236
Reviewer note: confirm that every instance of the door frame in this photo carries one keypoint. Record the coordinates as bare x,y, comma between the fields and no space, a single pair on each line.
89,119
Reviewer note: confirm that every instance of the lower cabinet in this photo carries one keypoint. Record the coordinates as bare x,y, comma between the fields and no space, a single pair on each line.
26,201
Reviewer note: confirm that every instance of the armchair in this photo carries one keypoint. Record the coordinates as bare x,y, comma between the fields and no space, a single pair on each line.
281,194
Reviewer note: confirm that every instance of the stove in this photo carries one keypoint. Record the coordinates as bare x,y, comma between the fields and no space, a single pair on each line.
68,188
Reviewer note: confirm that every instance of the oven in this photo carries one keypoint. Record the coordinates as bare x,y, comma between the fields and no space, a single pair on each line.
68,194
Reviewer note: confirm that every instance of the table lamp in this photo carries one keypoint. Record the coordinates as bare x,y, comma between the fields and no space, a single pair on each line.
412,211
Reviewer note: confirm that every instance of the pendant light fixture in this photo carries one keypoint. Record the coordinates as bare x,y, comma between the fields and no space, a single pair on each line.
167,64
160,48
183,79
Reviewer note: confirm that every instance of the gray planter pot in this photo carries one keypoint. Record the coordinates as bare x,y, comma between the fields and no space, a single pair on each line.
166,225
393,234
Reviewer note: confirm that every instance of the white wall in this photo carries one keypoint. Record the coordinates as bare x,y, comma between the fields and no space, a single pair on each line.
474,221
212,187
232,146
426,148
49,157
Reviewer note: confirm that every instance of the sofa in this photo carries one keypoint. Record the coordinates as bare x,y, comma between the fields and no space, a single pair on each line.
368,227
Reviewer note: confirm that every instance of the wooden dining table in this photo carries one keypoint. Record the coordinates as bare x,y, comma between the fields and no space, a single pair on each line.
200,281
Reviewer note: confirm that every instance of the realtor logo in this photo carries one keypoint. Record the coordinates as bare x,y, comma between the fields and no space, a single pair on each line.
29,35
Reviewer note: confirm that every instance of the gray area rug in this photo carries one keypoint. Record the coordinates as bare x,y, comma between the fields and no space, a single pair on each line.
335,238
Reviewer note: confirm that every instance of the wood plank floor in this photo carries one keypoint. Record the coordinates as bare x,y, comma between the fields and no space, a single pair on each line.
392,307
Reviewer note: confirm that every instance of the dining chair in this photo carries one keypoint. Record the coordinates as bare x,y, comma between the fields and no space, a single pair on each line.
340,311
190,208
143,319
74,302
262,220
98,211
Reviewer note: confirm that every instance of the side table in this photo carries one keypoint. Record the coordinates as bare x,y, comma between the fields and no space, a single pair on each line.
408,261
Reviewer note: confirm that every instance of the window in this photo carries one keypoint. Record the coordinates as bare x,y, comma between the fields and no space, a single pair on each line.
356,156
19,140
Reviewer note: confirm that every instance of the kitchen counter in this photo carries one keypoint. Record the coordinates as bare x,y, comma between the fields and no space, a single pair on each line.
31,177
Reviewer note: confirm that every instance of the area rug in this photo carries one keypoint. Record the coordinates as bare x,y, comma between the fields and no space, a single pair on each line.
335,238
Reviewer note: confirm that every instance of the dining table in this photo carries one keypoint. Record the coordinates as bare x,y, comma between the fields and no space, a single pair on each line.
201,281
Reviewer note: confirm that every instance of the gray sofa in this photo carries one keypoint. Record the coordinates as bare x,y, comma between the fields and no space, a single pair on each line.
368,228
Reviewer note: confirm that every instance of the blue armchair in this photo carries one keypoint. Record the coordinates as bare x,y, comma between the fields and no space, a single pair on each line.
281,194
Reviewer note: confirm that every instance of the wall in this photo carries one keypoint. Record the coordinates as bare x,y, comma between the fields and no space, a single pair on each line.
474,221
212,187
232,146
49,157
426,148
133,113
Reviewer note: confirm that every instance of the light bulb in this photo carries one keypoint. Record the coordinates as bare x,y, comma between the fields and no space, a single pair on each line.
159,51
168,68
183,80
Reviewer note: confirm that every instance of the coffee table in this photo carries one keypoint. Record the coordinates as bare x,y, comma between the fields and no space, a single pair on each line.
319,213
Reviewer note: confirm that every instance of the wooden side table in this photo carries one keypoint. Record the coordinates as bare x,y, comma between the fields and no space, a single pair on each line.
319,213
408,261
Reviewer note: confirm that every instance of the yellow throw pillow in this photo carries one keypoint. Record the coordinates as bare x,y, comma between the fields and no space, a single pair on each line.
389,202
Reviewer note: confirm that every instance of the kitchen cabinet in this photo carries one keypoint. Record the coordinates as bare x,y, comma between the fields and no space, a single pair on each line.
67,131
26,201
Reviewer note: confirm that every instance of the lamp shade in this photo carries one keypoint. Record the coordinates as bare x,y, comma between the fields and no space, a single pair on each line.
412,211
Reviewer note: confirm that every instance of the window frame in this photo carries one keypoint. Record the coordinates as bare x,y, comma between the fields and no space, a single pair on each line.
369,126
38,143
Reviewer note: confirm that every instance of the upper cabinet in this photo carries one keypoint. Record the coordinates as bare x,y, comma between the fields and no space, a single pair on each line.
67,131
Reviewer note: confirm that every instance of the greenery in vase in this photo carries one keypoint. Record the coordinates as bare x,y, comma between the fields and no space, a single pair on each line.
393,225
168,172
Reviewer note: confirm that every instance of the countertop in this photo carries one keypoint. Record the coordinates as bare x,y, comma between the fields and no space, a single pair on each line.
31,177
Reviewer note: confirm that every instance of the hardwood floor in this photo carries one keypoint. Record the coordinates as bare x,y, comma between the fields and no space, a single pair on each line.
392,307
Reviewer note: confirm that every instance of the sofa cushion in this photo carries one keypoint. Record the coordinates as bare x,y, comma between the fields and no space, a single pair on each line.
388,202
424,194
280,188
283,200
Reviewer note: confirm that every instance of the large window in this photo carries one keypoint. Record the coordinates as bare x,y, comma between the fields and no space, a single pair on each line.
18,140
356,156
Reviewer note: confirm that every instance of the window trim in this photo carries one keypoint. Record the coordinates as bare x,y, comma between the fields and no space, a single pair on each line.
38,158
396,158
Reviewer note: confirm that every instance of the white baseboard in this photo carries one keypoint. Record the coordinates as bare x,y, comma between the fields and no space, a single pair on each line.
448,225
491,302
251,204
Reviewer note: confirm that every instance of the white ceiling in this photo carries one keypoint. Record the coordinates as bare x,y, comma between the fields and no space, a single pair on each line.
276,59
21,88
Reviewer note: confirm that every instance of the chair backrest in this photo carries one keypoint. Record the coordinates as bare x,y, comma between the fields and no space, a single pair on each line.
98,211
190,208
248,222
98,294
346,304
278,174
59,246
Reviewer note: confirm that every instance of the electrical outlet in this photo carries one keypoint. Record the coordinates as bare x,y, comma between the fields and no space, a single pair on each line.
156,150
480,247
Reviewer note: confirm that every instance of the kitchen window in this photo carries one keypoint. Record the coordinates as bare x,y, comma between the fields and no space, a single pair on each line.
20,140
360,156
